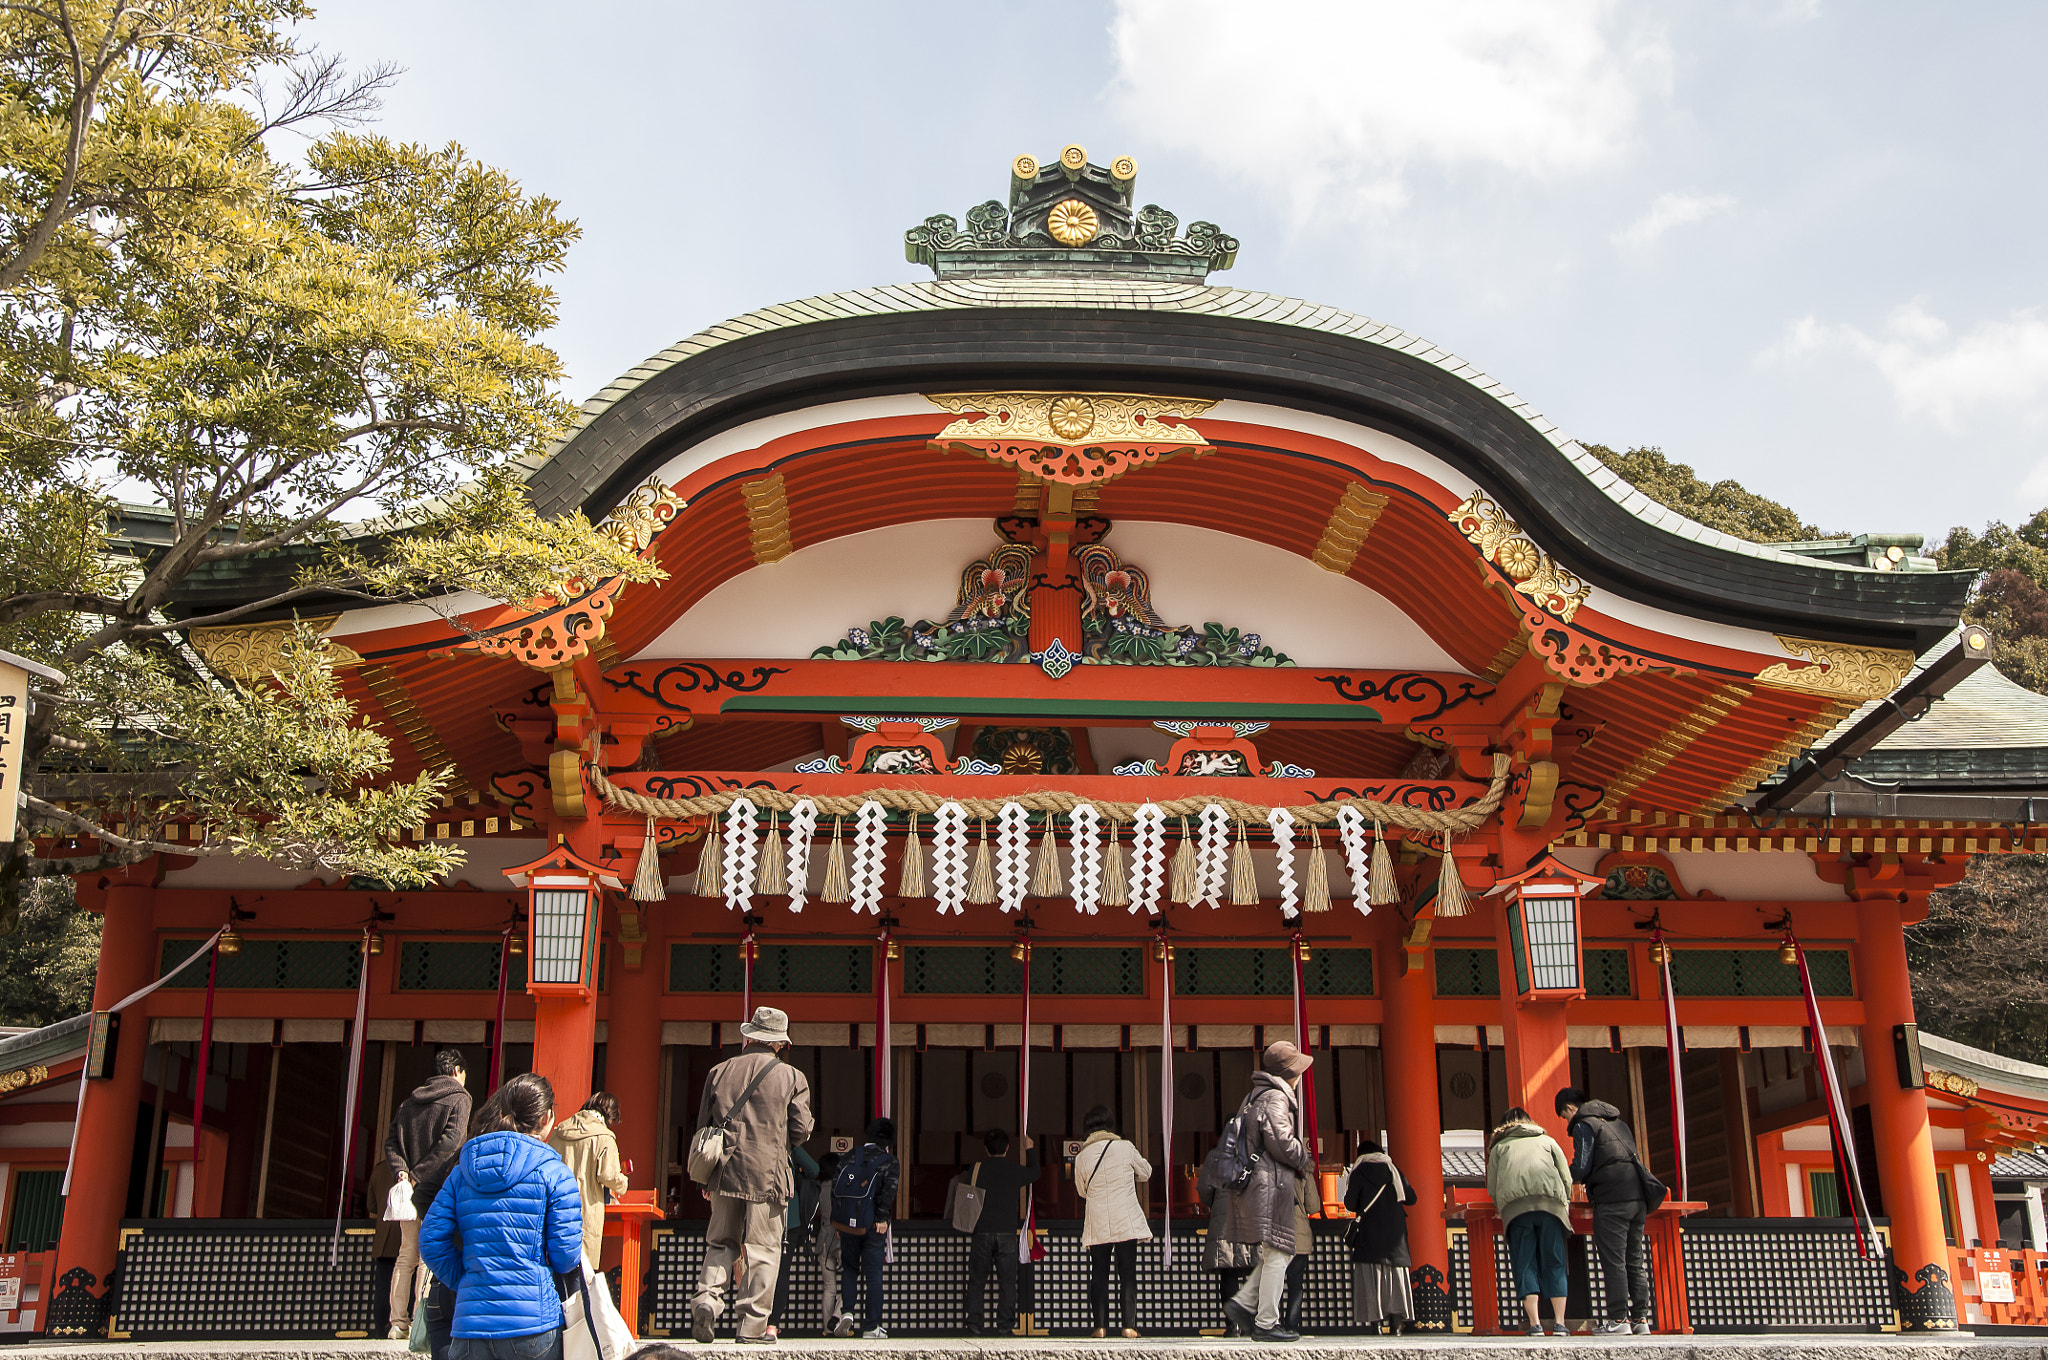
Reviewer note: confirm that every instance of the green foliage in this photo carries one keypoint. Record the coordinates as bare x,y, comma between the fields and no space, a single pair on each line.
268,349
1726,505
2012,596
1107,642
1980,958
47,962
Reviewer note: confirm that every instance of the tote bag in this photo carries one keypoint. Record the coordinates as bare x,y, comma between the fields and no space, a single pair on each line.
592,1328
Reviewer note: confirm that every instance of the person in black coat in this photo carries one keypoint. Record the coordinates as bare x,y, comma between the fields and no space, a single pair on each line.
1378,1238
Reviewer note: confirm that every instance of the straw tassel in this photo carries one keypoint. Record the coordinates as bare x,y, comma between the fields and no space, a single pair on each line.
1045,877
1183,867
838,885
1383,889
1315,892
911,884
648,885
710,871
1116,889
774,877
1244,880
1450,890
981,883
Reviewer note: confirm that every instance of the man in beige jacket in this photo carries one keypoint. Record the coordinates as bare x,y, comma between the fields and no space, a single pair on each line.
586,1143
749,1191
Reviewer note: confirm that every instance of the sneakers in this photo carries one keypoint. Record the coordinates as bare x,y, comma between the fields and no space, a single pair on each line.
875,1334
1537,1330
1618,1327
1559,1329
398,1332
1279,1333
765,1339
846,1326
1642,1326
1238,1316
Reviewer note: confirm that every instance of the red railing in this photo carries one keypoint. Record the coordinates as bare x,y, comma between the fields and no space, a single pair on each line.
1999,1287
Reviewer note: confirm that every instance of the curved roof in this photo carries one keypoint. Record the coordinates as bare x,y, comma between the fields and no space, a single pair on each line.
1187,339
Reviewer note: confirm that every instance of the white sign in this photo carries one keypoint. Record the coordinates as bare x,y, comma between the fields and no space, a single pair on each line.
1994,1286
15,672
10,1292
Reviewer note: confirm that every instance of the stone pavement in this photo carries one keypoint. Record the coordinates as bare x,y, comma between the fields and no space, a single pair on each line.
1788,1347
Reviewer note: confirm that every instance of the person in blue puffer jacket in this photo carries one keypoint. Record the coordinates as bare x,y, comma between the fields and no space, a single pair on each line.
504,1226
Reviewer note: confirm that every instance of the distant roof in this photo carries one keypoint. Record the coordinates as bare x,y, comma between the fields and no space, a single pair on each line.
51,1043
2021,1166
1987,1069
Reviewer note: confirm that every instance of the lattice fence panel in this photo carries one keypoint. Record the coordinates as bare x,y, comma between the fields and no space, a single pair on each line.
232,1279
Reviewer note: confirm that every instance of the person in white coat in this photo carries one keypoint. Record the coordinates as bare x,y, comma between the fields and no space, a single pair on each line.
1107,1172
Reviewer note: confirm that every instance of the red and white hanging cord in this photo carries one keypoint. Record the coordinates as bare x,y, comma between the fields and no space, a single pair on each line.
1674,1050
1839,1128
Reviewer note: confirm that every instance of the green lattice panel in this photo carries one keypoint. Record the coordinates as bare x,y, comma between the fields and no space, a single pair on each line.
289,965
962,971
1607,973
1756,972
703,968
455,966
825,968
1217,971
1467,972
1083,971
1338,972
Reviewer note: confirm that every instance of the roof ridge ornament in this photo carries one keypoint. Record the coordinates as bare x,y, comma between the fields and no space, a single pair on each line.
1070,217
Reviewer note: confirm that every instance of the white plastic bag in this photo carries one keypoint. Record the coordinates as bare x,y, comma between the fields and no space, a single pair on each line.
592,1328
398,1204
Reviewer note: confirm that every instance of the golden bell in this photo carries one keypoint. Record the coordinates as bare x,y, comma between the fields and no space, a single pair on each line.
1019,950
229,942
1660,954
1304,953
373,943
516,946
1788,954
1162,951
895,950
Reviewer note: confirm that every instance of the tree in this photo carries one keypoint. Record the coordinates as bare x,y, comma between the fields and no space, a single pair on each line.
1980,959
265,348
1724,505
2011,598
48,961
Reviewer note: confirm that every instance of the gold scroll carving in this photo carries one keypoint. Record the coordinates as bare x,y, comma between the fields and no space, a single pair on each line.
248,652
1837,670
1073,437
23,1076
1535,573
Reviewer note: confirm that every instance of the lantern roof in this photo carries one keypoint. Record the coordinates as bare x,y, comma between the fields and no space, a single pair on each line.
562,859
1546,867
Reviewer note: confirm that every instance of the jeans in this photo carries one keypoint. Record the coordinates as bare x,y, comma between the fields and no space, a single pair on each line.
1291,1297
403,1294
860,1259
1261,1291
1624,1257
997,1249
1536,1251
1125,1255
540,1346
440,1309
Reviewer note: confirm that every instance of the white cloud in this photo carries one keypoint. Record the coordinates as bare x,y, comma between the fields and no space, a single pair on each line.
1670,210
1999,367
1335,101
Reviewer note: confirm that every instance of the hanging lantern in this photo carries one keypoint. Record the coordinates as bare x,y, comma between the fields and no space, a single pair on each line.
229,942
1543,929
565,893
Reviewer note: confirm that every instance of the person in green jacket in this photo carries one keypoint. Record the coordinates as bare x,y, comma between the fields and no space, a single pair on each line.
1529,1180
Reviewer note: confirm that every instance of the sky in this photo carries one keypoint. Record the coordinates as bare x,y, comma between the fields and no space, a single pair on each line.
1793,242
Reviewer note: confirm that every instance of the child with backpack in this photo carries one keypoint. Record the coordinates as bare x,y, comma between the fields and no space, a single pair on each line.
863,1201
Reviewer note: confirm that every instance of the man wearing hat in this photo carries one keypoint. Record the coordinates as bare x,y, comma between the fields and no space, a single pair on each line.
765,1105
1262,1213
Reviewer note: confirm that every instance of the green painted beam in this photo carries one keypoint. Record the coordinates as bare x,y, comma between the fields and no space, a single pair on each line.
1137,709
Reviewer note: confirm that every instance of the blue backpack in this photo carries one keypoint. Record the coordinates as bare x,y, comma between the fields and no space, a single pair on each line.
853,1192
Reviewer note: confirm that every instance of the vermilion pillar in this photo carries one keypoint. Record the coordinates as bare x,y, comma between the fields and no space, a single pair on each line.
1538,1057
1898,1118
1414,1123
106,1124
632,1064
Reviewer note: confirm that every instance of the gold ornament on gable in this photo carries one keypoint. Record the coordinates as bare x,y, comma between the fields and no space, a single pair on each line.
248,652
1079,438
1536,574
1837,670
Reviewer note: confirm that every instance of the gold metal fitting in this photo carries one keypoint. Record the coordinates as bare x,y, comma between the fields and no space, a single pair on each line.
1123,169
1024,168
1073,158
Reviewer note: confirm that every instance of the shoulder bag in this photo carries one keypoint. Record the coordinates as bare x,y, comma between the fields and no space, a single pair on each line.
712,1143
966,1201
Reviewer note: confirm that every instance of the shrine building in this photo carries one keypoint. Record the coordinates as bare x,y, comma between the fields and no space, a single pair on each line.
1071,675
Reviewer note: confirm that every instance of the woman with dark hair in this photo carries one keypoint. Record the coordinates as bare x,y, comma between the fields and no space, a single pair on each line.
506,1223
586,1143
1106,1173
1375,1192
1529,1180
